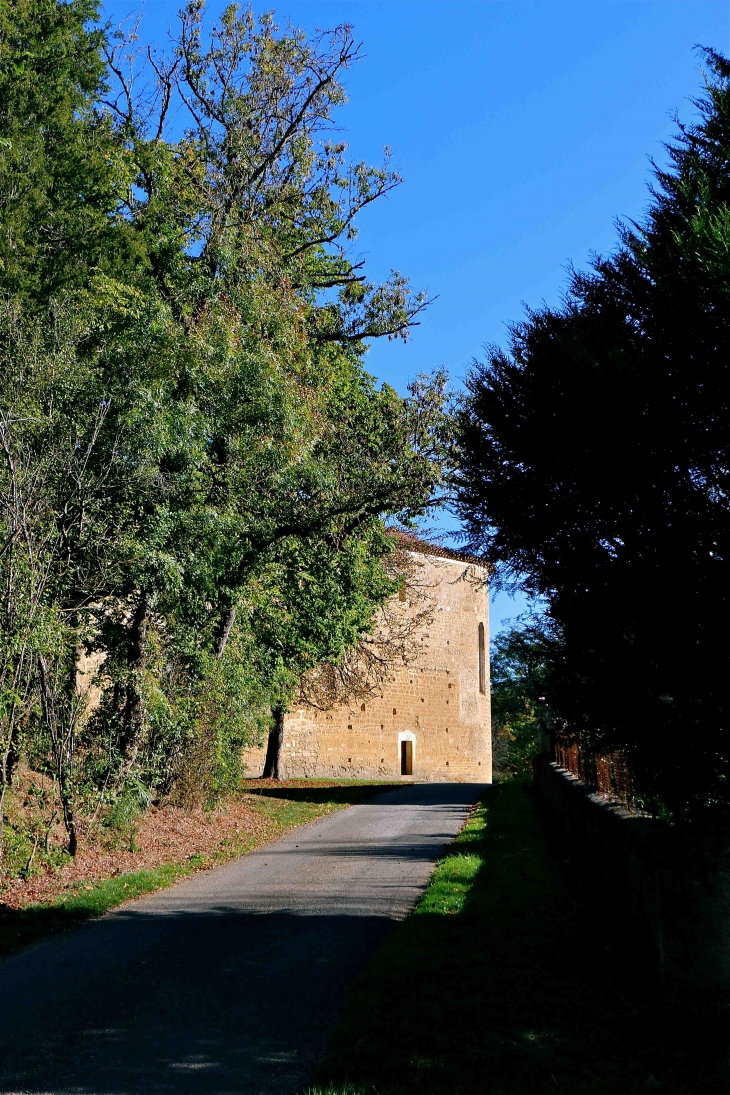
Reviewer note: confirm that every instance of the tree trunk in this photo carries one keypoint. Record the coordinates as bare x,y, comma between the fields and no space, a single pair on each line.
3,788
5,779
62,741
275,746
133,708
7,764
227,626
68,819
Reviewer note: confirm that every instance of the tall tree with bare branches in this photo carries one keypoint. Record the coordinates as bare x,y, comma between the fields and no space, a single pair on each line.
216,471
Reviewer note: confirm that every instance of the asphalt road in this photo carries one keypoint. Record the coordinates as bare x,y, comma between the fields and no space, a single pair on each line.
230,981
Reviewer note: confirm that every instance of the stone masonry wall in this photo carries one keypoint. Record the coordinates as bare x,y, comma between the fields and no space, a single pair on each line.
435,703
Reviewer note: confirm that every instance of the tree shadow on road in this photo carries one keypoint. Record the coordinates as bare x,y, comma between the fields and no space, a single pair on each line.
184,1002
21,927
342,794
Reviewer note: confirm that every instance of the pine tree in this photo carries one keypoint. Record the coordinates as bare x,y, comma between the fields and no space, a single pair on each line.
595,467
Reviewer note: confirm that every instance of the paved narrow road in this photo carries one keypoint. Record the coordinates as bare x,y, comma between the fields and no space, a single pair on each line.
229,981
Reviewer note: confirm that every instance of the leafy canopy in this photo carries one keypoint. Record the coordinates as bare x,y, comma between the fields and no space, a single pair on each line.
184,393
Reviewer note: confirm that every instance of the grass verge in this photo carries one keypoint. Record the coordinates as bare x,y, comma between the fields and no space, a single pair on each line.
280,807
504,981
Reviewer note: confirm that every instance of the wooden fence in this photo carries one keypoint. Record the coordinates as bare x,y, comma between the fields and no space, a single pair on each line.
608,773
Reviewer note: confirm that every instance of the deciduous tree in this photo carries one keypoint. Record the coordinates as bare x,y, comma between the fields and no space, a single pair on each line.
214,464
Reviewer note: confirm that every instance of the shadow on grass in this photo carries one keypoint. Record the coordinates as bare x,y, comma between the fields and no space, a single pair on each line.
508,981
21,927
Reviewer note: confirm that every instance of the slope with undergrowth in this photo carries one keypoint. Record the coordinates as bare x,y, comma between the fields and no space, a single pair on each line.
164,845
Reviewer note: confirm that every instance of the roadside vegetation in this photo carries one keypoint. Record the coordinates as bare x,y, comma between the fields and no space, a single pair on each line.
57,895
200,487
198,477
518,681
508,980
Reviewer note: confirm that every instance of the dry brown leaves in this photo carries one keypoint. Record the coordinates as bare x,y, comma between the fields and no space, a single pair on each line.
167,834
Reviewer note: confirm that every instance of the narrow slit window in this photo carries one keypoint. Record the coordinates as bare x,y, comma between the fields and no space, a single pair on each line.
482,662
406,758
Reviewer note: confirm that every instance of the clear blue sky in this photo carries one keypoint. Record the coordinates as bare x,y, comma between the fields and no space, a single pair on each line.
522,130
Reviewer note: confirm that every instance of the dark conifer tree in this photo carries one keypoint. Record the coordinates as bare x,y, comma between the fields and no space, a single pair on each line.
594,465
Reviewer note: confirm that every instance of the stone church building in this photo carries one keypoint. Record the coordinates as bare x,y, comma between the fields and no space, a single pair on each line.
431,721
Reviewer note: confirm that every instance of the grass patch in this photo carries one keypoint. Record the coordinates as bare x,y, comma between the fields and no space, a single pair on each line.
280,807
502,982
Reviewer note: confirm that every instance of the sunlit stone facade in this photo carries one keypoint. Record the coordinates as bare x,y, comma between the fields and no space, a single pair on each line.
439,703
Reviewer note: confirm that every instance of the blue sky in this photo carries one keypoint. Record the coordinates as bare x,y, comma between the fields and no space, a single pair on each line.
522,130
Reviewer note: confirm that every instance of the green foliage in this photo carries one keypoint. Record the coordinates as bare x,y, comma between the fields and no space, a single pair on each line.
30,817
520,714
594,466
59,223
17,850
125,811
196,466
